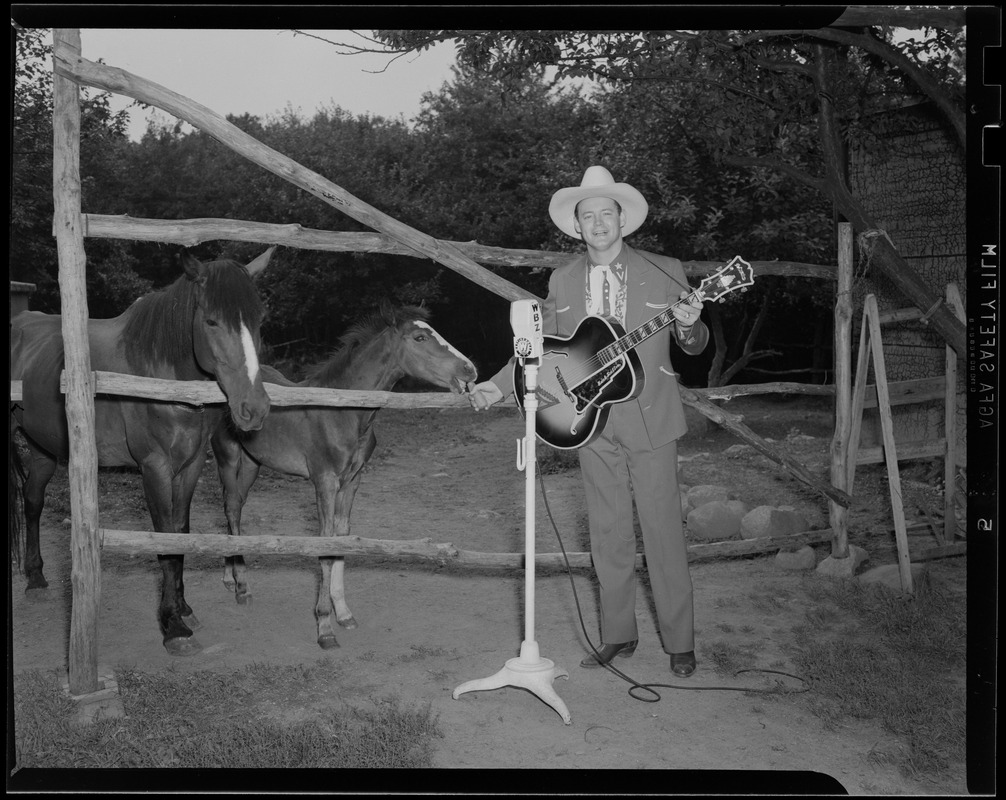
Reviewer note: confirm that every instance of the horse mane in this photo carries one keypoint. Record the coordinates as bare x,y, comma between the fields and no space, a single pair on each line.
327,373
159,325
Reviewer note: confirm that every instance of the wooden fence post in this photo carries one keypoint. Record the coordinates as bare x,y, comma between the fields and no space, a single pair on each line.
85,572
838,514
950,426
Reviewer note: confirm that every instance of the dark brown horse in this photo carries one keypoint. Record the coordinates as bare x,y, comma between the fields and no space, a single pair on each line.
331,445
203,326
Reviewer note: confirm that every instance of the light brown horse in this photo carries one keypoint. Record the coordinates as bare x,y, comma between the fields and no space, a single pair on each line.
331,445
204,326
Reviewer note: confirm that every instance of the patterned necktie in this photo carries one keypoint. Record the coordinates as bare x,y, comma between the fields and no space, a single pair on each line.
606,290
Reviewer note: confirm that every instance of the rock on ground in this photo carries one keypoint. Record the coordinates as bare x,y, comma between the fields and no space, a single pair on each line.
772,521
717,520
805,558
844,567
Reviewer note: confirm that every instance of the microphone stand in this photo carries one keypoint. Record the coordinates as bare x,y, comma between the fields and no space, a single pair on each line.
528,671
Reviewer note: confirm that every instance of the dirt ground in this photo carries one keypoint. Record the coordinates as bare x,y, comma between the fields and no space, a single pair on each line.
426,629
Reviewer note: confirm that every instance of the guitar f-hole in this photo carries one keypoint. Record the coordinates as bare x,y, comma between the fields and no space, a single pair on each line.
572,410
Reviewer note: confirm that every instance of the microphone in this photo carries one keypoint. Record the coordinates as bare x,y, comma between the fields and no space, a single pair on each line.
525,319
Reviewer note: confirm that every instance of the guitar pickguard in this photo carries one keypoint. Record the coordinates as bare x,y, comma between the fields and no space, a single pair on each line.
573,409
587,392
575,390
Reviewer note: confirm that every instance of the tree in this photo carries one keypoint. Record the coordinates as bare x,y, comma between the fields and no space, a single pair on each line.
112,283
669,136
789,77
32,249
312,297
485,164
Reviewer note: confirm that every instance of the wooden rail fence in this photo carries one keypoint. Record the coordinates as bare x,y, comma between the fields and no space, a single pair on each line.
80,383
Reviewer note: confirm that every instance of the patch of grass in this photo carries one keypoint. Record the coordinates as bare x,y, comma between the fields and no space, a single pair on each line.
728,658
770,603
206,719
726,602
823,615
552,461
893,661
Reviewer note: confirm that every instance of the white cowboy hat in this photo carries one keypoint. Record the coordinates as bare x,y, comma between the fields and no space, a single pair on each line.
597,182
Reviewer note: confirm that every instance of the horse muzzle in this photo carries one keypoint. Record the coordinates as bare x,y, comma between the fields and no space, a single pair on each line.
249,415
459,383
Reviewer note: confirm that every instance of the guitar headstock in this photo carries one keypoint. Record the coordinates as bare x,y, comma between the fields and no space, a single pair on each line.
738,274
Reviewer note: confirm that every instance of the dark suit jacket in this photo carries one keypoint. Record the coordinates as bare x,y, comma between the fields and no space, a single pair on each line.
657,414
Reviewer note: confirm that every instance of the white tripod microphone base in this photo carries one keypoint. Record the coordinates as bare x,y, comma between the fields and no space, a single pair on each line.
530,671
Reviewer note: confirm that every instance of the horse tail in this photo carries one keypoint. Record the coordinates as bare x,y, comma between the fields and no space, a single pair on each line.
15,498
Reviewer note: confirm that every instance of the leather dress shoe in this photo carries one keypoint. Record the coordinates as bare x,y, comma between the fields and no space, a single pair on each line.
606,652
683,664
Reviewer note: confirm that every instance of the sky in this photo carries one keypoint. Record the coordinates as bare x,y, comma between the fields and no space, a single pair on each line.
262,72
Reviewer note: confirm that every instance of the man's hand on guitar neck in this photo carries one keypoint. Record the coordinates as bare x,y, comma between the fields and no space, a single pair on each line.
485,394
687,311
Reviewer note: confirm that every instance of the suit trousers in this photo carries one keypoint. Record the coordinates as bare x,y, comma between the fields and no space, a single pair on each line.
614,474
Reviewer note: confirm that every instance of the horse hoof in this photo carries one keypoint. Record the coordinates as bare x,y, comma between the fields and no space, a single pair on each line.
191,622
328,641
182,646
243,598
348,623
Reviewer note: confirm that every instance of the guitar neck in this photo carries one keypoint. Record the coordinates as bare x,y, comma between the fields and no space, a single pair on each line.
636,337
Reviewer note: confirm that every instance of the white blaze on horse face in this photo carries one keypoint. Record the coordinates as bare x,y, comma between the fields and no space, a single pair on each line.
251,357
446,344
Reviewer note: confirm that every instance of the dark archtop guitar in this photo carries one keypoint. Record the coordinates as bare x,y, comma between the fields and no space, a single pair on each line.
581,377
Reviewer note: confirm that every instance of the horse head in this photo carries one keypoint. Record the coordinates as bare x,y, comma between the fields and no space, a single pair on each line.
226,329
423,353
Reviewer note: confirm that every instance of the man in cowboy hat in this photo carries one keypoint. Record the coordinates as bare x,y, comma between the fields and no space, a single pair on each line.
635,456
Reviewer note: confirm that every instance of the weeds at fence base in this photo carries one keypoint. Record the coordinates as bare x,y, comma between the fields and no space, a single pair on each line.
213,720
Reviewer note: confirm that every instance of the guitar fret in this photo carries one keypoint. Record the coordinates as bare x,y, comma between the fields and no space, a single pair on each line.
632,339
573,403
620,346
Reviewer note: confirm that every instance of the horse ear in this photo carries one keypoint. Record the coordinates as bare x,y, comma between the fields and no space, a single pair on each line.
387,311
260,263
193,267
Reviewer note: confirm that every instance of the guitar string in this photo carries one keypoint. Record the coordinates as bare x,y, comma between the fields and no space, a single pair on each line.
594,364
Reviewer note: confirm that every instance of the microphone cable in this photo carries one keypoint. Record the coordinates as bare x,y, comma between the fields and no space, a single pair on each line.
650,688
